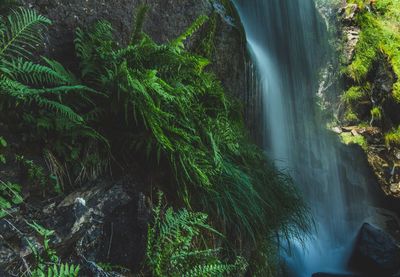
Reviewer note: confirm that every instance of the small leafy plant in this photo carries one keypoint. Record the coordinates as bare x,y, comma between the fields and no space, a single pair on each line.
10,195
47,262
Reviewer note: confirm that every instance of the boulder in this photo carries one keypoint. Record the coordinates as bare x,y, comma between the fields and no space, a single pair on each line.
375,252
102,222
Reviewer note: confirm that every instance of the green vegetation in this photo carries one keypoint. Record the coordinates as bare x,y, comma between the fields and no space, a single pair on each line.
376,113
377,58
47,261
3,146
353,94
158,104
392,138
379,36
10,195
349,138
174,246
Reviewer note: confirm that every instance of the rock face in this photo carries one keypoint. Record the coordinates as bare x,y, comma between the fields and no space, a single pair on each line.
362,124
375,253
165,20
104,222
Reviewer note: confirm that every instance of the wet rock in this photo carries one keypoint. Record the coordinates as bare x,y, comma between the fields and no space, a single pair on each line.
351,35
375,252
102,222
349,12
337,130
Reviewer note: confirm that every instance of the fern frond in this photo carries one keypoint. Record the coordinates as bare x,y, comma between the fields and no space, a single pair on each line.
37,74
22,33
178,43
138,24
63,270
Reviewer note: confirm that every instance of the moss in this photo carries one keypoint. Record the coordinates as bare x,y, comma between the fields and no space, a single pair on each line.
396,92
393,138
349,138
352,95
351,116
376,113
366,49
378,45
379,34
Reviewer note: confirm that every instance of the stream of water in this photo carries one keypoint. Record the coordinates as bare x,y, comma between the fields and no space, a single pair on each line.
287,43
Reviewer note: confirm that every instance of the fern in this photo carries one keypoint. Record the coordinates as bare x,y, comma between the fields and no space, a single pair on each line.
172,246
137,30
47,262
21,33
178,43
63,270
157,104
163,105
44,95
10,195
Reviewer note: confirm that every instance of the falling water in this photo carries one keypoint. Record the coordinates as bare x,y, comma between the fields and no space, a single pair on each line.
287,43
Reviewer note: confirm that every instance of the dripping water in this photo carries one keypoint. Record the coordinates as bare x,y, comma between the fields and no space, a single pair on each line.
287,43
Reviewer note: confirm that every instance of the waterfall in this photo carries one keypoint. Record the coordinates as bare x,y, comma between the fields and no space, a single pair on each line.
287,43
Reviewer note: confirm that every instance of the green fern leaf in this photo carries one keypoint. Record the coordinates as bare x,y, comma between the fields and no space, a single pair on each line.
21,33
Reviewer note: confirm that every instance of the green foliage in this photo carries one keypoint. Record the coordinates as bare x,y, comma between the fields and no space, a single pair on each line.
351,116
206,47
379,35
34,172
178,43
153,103
20,34
36,94
10,195
377,48
47,261
392,138
173,246
137,33
49,254
3,146
376,113
62,270
349,138
353,95
162,103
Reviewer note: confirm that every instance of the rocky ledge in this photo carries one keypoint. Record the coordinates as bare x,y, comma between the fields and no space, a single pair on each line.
363,112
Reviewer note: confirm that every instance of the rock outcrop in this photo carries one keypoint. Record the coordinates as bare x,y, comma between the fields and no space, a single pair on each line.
102,222
375,253
355,120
